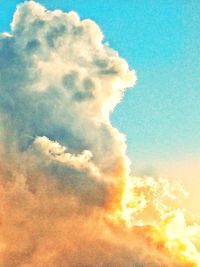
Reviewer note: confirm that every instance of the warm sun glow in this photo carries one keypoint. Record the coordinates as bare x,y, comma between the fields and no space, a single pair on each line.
168,226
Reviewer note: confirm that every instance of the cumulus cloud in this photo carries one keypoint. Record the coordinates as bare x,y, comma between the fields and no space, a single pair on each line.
64,174
59,81
43,225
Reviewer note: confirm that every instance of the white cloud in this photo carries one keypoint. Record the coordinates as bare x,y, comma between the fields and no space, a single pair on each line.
60,81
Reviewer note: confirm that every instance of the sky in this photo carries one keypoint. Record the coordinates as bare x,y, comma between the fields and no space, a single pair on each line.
64,162
160,116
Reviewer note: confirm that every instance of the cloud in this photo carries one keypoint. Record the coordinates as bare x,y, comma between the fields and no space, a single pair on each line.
65,186
59,82
44,226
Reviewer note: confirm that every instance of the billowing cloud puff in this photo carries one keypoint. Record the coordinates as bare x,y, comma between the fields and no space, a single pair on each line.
65,187
60,81
42,225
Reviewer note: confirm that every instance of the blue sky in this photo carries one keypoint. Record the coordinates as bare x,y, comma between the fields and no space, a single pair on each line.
160,39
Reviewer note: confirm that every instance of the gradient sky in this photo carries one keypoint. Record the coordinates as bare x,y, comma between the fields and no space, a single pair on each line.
160,40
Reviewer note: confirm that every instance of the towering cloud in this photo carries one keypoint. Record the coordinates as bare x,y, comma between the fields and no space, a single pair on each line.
58,84
67,197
